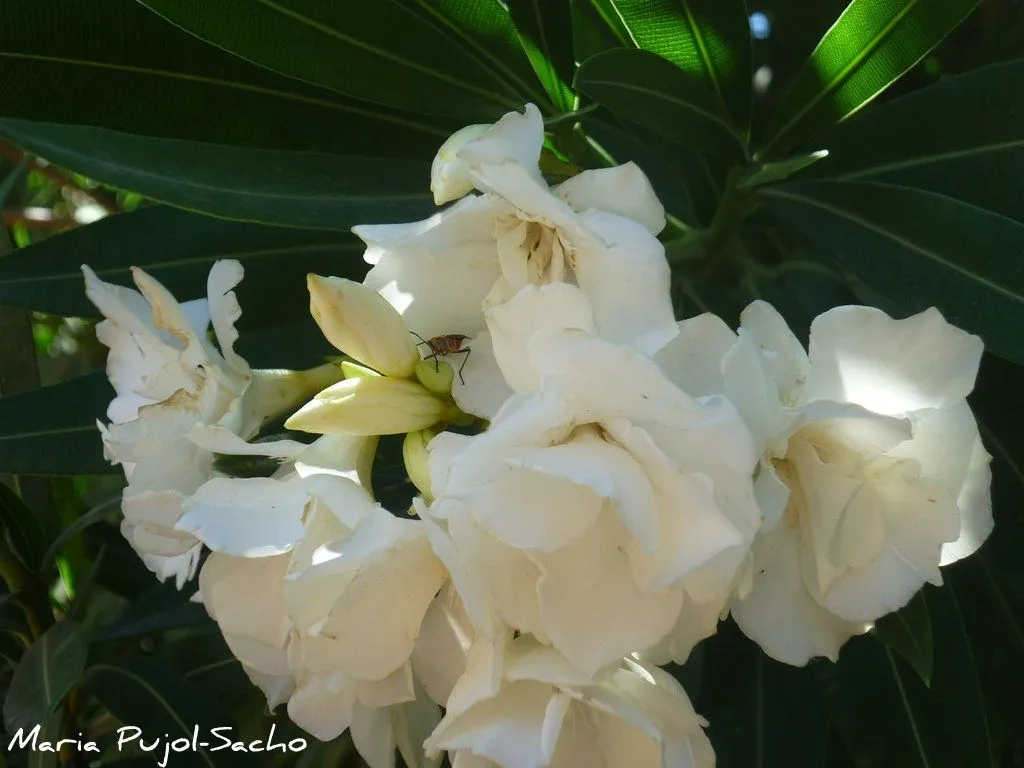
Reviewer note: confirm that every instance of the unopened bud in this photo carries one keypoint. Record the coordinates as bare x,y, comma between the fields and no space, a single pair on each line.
356,371
449,176
370,406
415,454
360,322
435,376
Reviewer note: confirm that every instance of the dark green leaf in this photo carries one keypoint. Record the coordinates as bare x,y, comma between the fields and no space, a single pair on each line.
886,714
145,693
49,668
962,137
596,27
301,189
94,515
908,631
706,38
51,731
649,90
545,27
23,527
113,64
871,45
178,248
762,713
296,346
380,52
53,431
929,249
766,173
160,609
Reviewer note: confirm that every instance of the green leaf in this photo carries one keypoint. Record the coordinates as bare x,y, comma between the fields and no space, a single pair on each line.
96,514
908,631
869,47
52,430
545,27
160,609
145,693
596,27
928,249
23,527
649,90
762,713
51,731
49,668
706,38
380,52
886,714
178,248
302,189
962,137
113,64
766,173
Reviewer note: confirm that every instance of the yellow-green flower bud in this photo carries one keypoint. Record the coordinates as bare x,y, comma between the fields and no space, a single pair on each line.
360,322
435,376
415,454
370,406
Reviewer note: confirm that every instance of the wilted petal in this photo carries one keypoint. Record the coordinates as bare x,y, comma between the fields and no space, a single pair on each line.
862,355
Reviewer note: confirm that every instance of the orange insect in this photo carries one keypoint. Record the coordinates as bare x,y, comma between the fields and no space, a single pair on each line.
442,346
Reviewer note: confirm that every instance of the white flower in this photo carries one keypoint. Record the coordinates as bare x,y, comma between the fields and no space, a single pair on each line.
169,378
596,230
603,504
527,707
872,472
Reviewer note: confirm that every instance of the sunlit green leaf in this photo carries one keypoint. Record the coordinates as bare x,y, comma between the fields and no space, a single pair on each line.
709,39
545,28
869,47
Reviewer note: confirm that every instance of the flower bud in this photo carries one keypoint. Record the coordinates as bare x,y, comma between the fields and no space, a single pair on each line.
353,370
435,377
370,406
415,454
360,322
449,177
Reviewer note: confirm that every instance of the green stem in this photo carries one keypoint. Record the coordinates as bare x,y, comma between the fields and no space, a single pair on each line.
29,593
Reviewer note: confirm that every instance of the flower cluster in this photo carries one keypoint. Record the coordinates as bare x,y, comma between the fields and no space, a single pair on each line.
599,484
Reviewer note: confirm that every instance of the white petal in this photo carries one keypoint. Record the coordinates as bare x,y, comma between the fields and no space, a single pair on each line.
512,324
245,596
449,177
772,496
224,309
621,267
277,688
373,737
323,710
439,656
754,395
590,604
861,355
784,357
217,439
948,447
437,272
515,139
779,614
246,517
696,621
623,190
482,389
693,359
413,722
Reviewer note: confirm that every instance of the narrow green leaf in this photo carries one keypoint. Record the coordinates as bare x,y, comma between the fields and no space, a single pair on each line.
908,631
927,249
886,714
761,712
962,137
49,668
96,514
53,431
160,609
145,693
178,248
23,527
766,173
545,27
302,189
379,52
113,64
870,46
706,38
649,90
